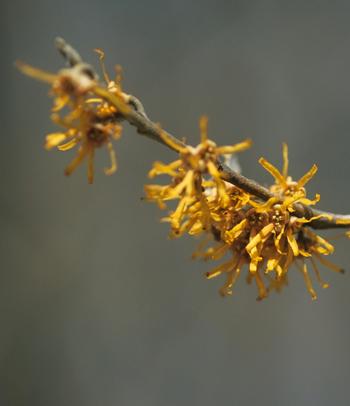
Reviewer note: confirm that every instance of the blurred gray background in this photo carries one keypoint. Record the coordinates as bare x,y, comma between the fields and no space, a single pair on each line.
98,307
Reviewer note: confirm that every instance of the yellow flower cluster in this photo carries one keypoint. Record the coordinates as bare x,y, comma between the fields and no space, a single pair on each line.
90,118
196,183
264,236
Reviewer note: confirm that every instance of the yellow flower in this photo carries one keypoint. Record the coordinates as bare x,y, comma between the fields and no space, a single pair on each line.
268,239
69,86
93,120
284,184
86,129
194,176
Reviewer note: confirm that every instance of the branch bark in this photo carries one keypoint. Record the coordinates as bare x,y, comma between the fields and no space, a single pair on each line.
137,117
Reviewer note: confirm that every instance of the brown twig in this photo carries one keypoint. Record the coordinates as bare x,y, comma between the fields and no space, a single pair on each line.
137,117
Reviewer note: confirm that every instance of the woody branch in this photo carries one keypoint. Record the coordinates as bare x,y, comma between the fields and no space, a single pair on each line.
137,117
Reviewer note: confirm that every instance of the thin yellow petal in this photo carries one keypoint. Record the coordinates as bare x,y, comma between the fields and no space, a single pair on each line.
213,170
318,276
203,126
68,145
199,251
279,271
60,102
309,202
76,161
170,141
235,231
307,177
35,72
278,241
54,139
260,237
217,252
343,221
232,149
329,264
93,100
176,216
253,265
304,220
186,183
285,160
159,168
304,253
187,226
261,286
273,171
263,207
112,156
231,279
272,263
91,165
226,266
308,282
292,242
325,243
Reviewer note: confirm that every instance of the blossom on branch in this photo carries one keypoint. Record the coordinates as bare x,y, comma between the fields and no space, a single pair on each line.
194,176
265,237
269,238
93,118
247,226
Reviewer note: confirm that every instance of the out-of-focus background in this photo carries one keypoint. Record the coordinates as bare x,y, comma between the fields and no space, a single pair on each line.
98,307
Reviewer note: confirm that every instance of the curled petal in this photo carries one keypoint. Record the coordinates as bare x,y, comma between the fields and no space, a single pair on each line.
54,139
68,145
235,231
272,264
260,237
60,102
263,207
114,166
309,202
101,57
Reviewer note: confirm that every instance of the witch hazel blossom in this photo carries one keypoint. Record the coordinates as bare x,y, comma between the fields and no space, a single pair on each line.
92,120
264,234
190,175
263,237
